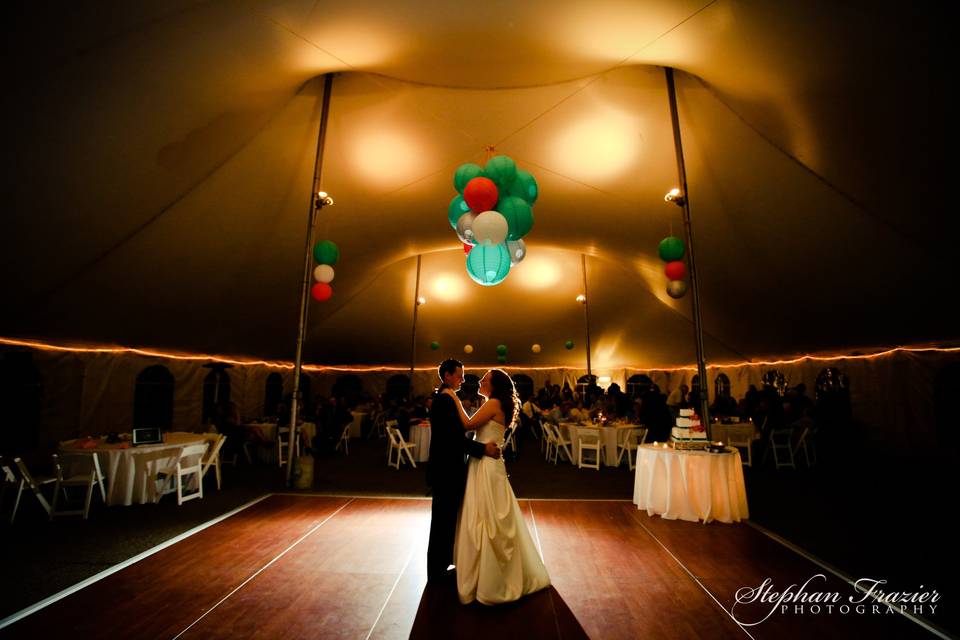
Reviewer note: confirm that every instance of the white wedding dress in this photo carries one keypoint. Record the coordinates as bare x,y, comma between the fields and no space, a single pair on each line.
496,558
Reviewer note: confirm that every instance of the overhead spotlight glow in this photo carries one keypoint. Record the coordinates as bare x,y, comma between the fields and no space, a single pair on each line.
581,298
447,287
421,300
599,146
539,272
675,197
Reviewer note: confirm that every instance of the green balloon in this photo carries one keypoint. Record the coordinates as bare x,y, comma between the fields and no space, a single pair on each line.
525,187
671,248
464,174
569,344
502,359
456,209
519,216
502,170
326,252
501,349
434,345
488,265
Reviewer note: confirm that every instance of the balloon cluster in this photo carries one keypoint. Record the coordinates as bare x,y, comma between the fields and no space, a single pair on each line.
671,251
491,213
326,254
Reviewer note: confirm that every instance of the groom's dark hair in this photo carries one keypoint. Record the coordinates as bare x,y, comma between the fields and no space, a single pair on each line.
449,365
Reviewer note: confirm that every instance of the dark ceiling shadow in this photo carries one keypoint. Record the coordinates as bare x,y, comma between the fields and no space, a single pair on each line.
543,614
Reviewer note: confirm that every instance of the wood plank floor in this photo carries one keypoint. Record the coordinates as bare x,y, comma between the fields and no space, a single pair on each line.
324,567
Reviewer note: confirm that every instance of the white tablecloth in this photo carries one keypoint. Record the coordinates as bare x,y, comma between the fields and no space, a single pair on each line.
269,429
720,432
420,436
131,472
357,424
690,485
608,435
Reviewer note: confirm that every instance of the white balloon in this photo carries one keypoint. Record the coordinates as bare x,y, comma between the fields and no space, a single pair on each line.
535,348
323,273
490,228
468,348
518,251
465,228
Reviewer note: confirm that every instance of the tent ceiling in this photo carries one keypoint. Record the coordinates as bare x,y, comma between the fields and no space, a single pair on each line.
161,162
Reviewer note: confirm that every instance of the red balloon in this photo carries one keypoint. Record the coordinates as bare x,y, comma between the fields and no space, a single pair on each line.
321,291
467,247
481,194
675,270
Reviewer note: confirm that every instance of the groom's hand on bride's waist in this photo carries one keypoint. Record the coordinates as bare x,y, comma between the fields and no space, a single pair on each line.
492,450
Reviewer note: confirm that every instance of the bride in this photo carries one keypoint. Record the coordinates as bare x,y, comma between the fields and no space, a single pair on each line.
494,553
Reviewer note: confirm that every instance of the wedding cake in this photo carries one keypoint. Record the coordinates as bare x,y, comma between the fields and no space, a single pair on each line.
688,432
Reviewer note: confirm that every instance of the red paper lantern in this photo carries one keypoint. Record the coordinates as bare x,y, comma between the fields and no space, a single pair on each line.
481,194
676,270
321,291
467,247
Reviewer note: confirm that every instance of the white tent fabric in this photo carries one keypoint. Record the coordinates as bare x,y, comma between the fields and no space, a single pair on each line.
161,155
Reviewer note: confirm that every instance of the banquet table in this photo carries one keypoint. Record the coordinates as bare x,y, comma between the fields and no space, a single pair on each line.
608,435
690,485
269,429
420,436
356,427
130,471
720,432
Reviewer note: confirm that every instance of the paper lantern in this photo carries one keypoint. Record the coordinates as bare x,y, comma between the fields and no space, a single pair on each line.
502,170
323,273
517,250
502,359
464,174
535,348
568,344
675,270
524,187
501,349
488,265
321,291
489,228
465,228
481,194
456,209
518,215
468,348
326,252
676,288
671,248
434,345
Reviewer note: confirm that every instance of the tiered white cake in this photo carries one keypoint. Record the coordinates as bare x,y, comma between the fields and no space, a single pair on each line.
688,429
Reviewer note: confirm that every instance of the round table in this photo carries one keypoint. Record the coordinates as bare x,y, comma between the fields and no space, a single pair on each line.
690,485
131,471
608,435
420,436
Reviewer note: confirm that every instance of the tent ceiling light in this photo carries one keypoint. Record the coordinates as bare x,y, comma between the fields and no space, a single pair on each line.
675,197
323,200
581,298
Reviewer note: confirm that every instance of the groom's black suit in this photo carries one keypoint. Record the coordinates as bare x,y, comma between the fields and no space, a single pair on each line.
447,475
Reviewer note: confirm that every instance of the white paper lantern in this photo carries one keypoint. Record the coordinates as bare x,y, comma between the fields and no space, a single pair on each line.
490,228
517,250
323,273
676,288
468,348
535,348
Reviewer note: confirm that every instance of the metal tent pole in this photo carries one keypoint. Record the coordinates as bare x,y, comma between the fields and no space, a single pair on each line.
586,309
413,333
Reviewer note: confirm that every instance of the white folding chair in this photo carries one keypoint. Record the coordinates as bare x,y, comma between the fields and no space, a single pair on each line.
283,434
589,441
6,477
380,425
32,482
76,470
398,444
744,442
628,440
510,442
344,439
212,456
807,443
562,445
189,463
387,425
781,445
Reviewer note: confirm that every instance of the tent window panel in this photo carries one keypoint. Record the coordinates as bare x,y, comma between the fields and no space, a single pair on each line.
216,392
398,388
21,402
273,394
153,398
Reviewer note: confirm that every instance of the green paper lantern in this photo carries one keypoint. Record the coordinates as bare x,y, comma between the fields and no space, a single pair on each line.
488,265
568,344
502,359
434,345
502,170
525,187
519,216
326,252
464,174
456,209
501,349
671,249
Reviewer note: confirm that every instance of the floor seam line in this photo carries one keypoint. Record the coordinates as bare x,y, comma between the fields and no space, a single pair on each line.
390,595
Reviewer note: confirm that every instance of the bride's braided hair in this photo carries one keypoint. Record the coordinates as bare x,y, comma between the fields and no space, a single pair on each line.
504,390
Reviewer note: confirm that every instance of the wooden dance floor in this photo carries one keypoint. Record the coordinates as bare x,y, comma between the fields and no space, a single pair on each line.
327,567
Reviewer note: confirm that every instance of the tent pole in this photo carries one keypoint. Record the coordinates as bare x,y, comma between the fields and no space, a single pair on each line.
586,308
413,335
704,404
312,213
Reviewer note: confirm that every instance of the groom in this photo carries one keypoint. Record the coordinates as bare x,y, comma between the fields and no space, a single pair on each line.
447,469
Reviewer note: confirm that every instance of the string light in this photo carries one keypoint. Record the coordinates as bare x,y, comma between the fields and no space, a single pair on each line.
46,346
